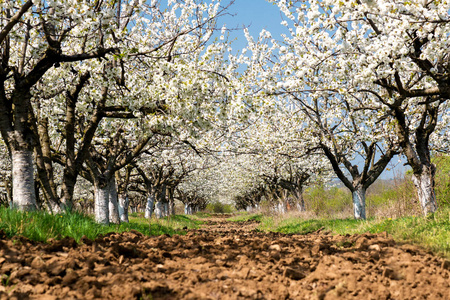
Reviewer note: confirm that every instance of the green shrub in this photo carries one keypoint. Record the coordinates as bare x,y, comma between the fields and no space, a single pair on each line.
328,201
392,198
219,208
442,179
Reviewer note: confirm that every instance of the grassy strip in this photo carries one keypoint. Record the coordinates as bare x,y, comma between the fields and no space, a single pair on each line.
41,226
431,233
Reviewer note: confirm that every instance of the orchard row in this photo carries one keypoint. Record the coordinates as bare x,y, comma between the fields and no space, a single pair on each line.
146,102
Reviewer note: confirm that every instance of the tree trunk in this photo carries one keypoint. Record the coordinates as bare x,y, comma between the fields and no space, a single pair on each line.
424,183
166,212
101,208
149,206
24,197
163,204
45,166
359,203
54,207
37,192
68,187
300,200
172,207
48,187
8,187
280,207
159,209
123,207
113,202
171,210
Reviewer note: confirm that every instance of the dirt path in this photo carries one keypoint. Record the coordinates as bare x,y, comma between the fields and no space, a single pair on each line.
222,260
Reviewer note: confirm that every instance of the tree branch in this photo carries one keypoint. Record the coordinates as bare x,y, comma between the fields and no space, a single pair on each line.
14,20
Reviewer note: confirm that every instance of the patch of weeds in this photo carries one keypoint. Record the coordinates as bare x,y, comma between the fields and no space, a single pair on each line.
201,214
5,280
146,297
344,244
246,217
304,227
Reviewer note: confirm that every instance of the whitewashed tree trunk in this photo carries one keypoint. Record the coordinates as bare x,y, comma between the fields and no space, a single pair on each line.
123,207
101,204
24,197
425,192
188,209
55,208
281,207
149,206
159,209
166,212
113,202
359,203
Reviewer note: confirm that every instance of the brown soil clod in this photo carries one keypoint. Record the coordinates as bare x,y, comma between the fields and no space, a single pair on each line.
222,260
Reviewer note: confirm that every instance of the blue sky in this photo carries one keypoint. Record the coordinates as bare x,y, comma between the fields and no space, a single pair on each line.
256,15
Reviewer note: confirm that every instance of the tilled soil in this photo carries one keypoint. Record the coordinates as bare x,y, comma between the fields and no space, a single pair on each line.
222,260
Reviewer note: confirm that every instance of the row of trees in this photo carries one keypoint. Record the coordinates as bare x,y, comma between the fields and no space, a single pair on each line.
367,79
136,96
87,87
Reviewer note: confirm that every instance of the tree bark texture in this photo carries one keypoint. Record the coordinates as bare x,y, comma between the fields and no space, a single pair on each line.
101,208
359,203
424,183
166,212
113,202
149,207
24,197
45,166
68,188
123,207
159,209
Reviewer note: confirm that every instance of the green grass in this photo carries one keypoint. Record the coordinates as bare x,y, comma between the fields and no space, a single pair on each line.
200,214
242,217
169,225
432,233
41,226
